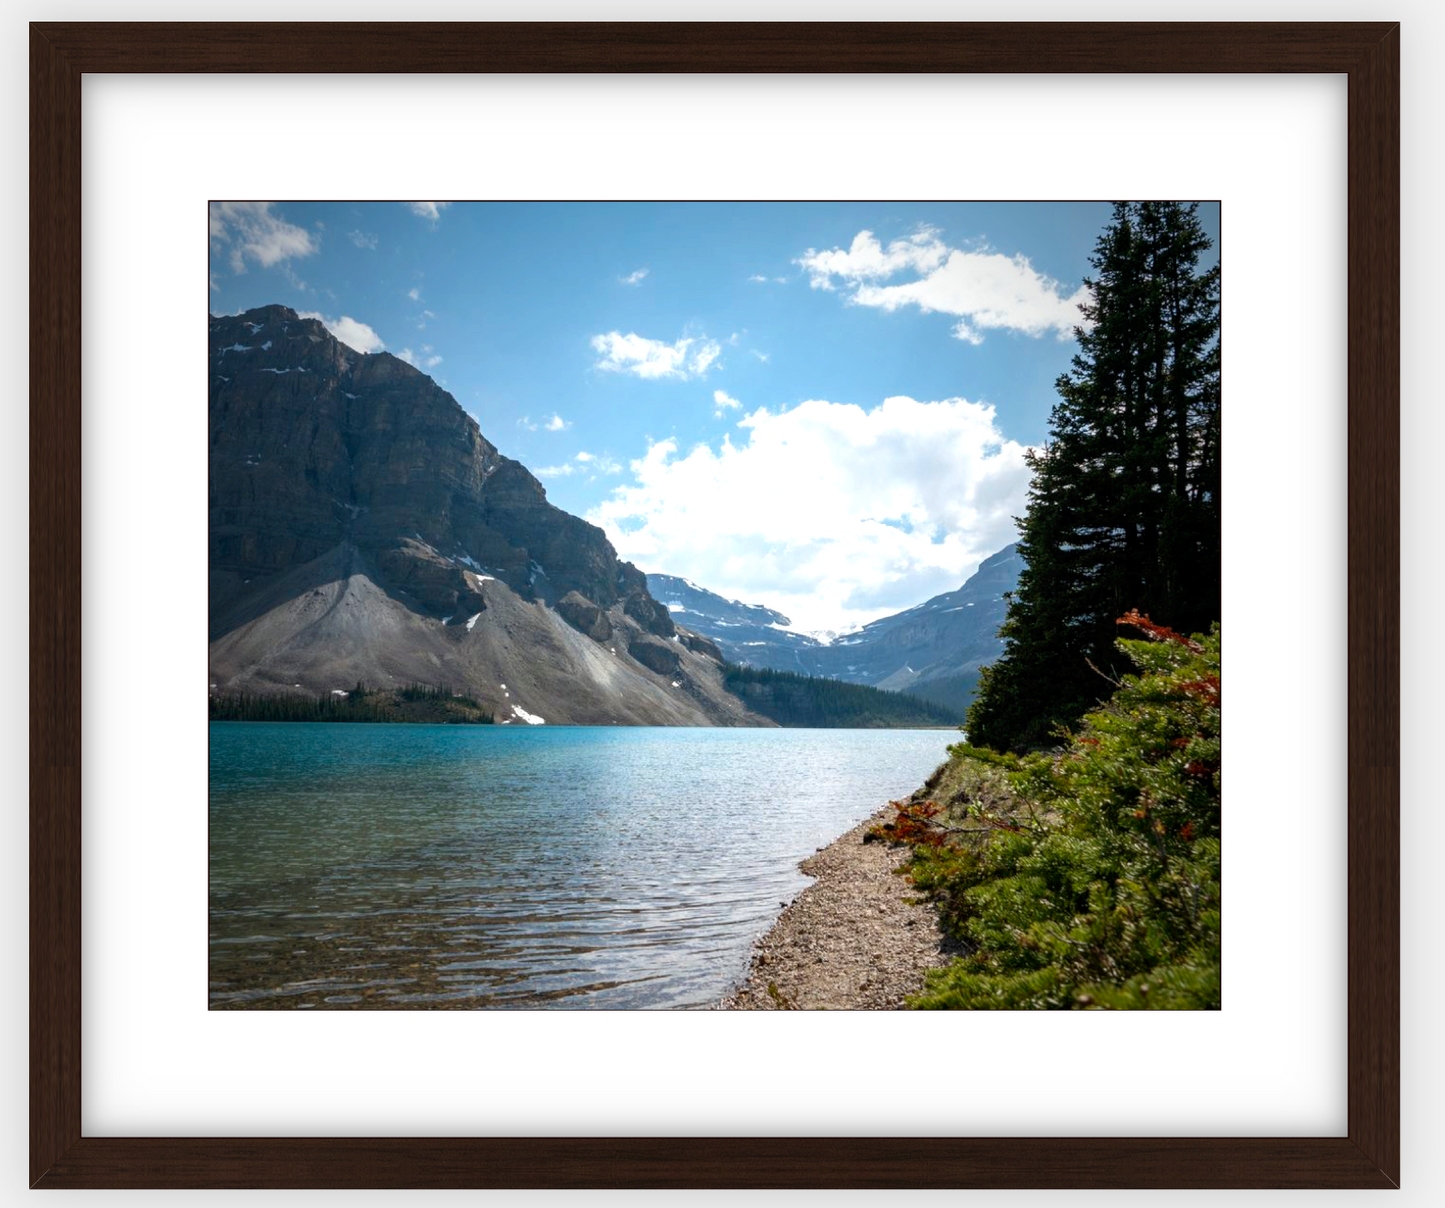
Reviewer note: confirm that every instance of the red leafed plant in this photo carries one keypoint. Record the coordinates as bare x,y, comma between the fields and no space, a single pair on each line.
914,824
1160,633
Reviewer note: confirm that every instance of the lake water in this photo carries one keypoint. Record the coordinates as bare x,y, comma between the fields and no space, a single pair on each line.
417,866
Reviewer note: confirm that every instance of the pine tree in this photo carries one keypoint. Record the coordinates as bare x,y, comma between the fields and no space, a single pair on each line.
1123,508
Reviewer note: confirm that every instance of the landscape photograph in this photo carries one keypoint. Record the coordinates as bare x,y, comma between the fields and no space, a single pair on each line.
714,605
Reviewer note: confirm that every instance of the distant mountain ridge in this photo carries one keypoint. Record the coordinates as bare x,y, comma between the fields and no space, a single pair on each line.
933,650
747,633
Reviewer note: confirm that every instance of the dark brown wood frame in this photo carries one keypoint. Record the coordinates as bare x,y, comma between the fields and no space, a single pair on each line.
1369,53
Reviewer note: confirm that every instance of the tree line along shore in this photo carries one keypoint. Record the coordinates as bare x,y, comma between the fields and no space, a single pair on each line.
784,697
424,703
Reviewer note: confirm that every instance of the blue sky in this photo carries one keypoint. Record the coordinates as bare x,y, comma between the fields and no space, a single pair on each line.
817,406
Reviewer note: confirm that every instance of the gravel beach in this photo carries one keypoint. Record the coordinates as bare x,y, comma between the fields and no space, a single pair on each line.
851,941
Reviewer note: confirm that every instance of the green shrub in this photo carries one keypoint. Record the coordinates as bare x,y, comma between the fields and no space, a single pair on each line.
1099,886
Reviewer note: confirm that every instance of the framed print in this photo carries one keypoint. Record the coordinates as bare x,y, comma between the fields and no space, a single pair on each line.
376,551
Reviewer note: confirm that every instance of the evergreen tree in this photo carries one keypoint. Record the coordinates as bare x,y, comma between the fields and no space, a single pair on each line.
791,699
1123,508
361,704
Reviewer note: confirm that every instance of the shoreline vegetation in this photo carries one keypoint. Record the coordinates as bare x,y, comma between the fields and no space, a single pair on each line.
1087,876
1084,877
423,703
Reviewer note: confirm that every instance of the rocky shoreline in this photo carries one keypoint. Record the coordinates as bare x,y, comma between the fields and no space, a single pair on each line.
852,941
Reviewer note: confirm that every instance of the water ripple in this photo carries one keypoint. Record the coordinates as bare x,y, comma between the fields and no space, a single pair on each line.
434,867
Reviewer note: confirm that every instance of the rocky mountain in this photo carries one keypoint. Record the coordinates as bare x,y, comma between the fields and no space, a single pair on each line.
933,649
747,633
363,528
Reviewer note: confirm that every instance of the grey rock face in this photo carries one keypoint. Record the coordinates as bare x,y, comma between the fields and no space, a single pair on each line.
312,443
584,616
652,652
700,645
643,609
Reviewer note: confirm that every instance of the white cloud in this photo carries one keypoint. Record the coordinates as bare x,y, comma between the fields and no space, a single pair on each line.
599,462
830,513
355,334
366,240
251,230
689,356
984,289
293,278
707,352
762,356
431,210
634,278
759,279
868,260
557,423
351,332
425,359
414,293
723,401
583,463
526,424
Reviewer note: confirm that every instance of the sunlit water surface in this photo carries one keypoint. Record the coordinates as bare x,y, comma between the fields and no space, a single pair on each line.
417,866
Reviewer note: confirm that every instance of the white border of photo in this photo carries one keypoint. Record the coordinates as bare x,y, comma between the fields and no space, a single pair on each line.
157,148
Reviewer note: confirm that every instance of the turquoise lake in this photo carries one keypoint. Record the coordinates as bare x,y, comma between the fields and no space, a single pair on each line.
425,867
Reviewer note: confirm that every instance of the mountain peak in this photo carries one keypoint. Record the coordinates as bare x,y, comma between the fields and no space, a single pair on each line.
271,313
1002,558
328,466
